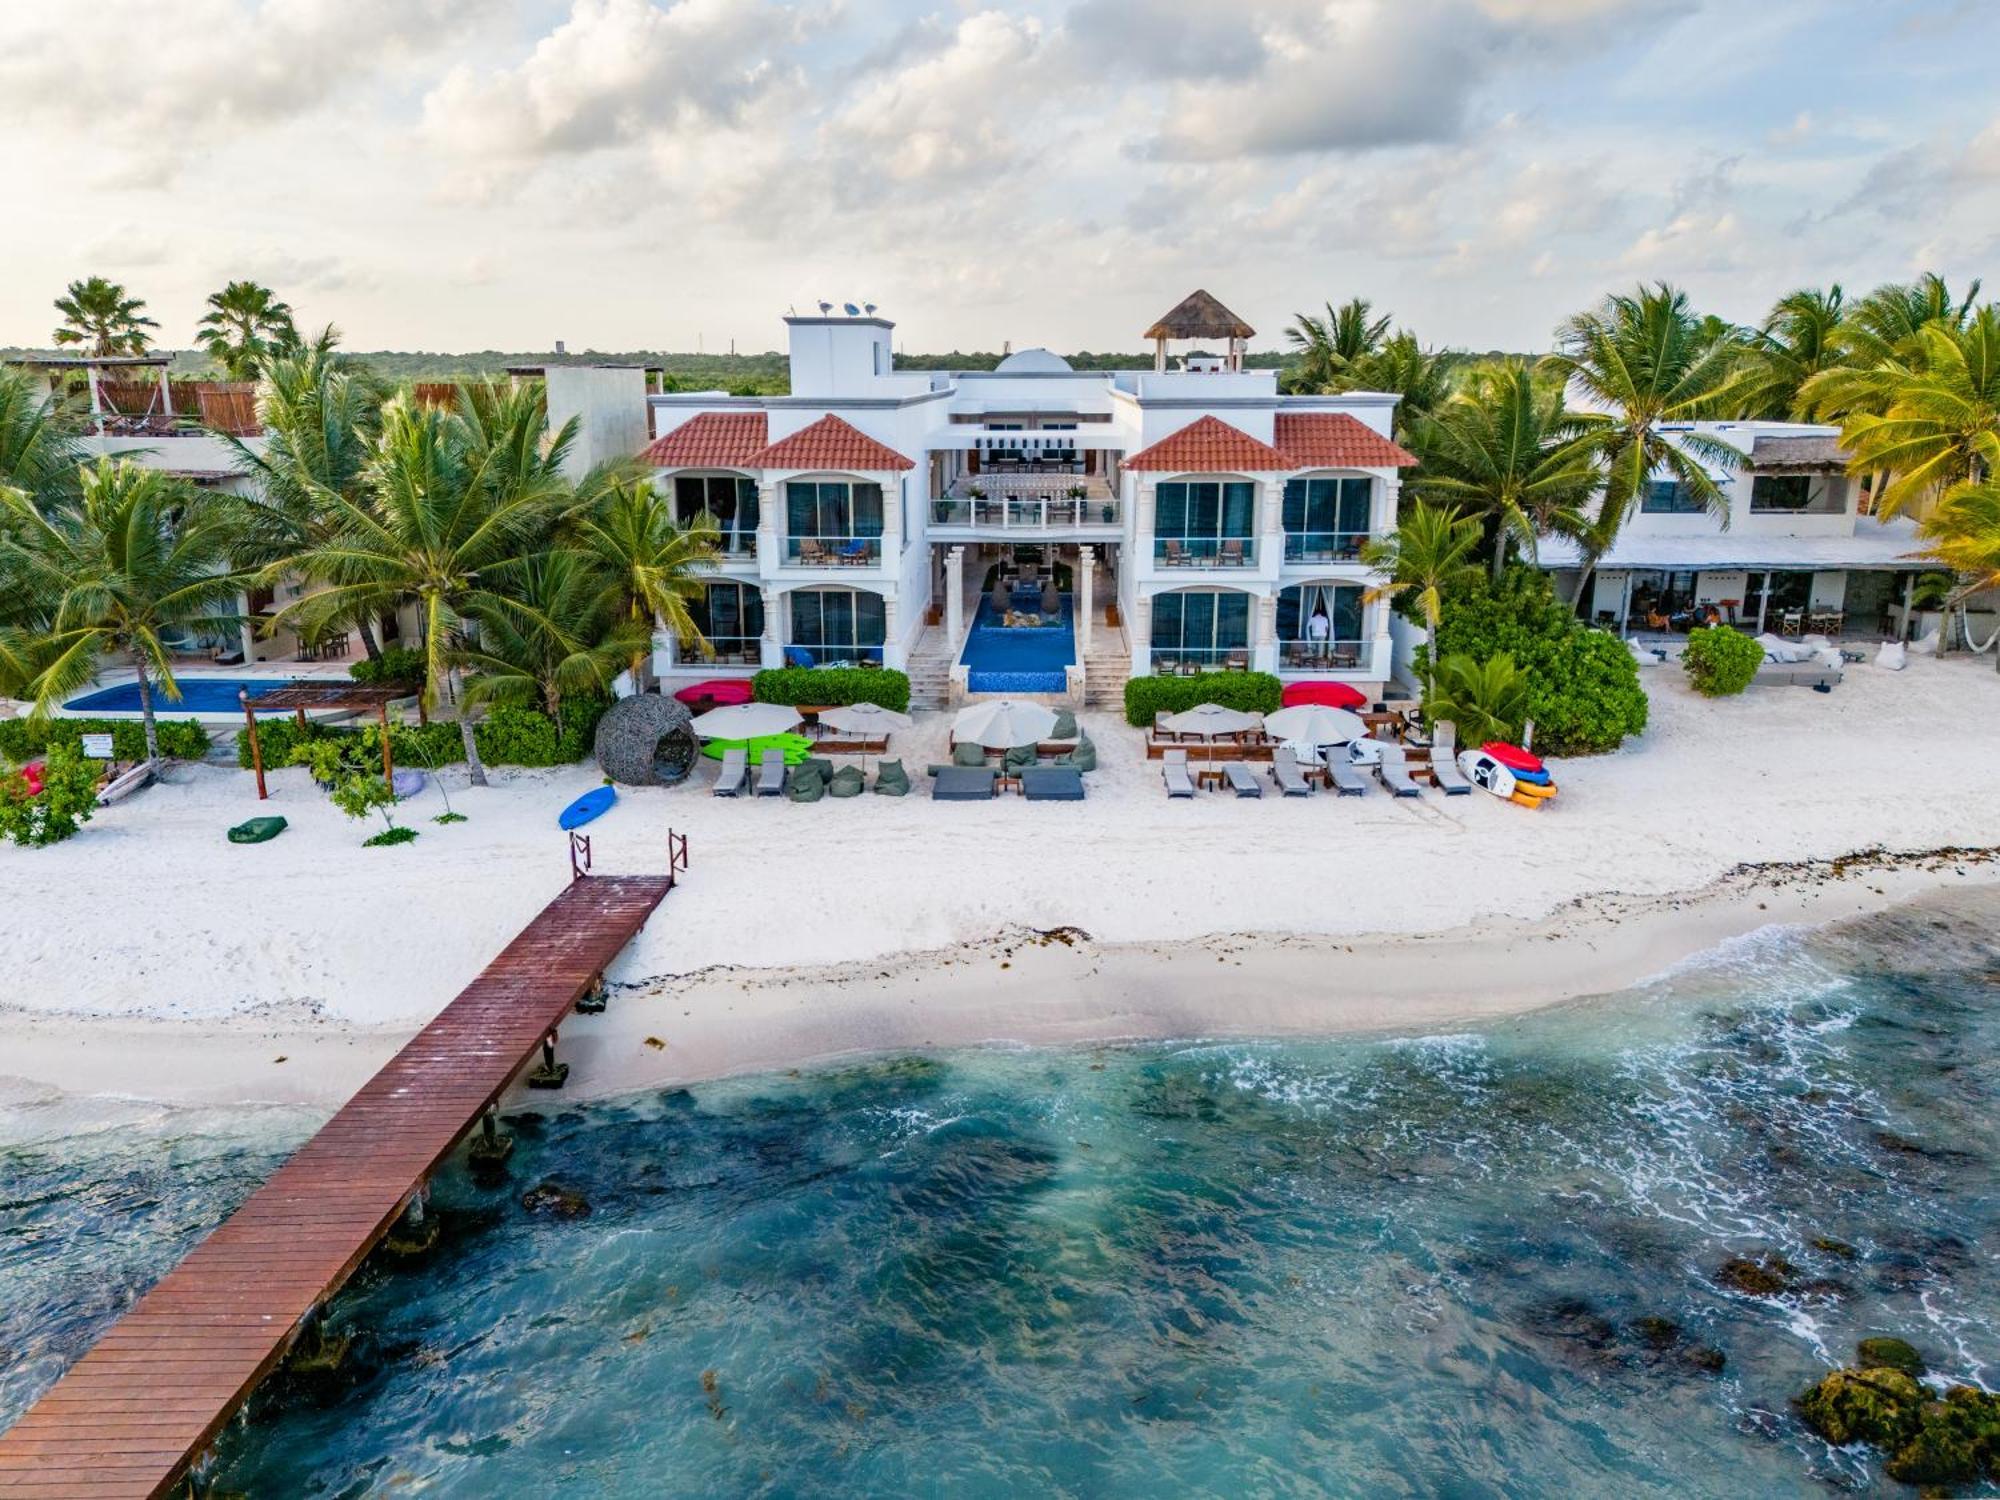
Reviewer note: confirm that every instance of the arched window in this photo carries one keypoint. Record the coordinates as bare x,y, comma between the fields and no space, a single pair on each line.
1195,629
835,625
1321,625
829,521
730,498
1205,523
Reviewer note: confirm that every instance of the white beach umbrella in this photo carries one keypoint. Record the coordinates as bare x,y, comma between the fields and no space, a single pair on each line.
1003,723
745,721
867,719
1315,724
1209,720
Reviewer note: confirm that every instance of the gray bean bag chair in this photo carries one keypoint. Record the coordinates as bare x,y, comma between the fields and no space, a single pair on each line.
968,755
846,782
891,780
1083,757
808,783
1018,758
1065,725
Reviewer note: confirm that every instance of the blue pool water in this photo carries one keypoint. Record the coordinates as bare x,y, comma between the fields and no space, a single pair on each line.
1019,659
1404,1266
199,695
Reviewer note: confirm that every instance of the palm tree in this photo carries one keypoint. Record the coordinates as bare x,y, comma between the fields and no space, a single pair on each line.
1506,450
98,312
451,502
1329,345
137,553
320,418
1429,554
1880,347
550,626
37,451
1642,359
1941,427
1486,700
1802,336
1421,378
655,563
244,325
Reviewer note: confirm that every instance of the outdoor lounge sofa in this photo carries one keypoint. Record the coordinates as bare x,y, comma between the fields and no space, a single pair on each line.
1241,782
1052,784
1174,768
1285,771
734,773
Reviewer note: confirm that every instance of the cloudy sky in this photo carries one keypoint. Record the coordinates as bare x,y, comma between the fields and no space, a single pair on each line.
462,174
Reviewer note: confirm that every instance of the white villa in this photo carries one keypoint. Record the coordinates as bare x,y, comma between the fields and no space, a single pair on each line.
1794,555
1029,528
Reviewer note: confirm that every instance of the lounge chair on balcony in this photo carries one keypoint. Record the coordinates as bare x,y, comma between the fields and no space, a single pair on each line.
1285,771
1241,782
798,656
1052,784
1347,778
1232,554
856,551
1177,554
771,774
1394,769
735,772
1174,768
1444,760
811,552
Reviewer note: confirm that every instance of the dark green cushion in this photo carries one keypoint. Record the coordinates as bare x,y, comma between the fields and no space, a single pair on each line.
846,782
1019,756
1065,725
891,780
1083,757
808,782
969,755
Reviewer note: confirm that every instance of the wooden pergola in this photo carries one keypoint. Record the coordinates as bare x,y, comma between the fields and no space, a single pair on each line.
334,697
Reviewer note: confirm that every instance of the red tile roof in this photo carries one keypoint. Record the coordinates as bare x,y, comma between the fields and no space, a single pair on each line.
711,440
1335,440
830,443
1209,446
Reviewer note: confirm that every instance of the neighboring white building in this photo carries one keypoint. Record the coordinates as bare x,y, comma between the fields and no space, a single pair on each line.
1795,553
1201,518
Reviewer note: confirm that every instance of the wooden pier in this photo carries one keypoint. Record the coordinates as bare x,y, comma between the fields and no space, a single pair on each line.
149,1398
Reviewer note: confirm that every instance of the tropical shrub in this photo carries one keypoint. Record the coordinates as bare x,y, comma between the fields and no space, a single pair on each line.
356,790
1250,692
66,802
834,686
507,737
1719,661
398,666
1486,700
24,739
1583,685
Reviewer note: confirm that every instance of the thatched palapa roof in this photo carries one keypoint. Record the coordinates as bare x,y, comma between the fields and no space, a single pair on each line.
1200,316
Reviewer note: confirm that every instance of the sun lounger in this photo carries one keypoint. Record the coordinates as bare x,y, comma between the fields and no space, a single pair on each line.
1285,771
1444,760
1052,784
735,772
1241,782
1175,769
771,774
1348,779
963,784
1394,769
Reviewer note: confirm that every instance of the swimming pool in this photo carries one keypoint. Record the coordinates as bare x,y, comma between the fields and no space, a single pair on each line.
199,695
1017,659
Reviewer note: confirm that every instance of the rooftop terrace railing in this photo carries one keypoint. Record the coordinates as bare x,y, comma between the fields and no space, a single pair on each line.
1028,513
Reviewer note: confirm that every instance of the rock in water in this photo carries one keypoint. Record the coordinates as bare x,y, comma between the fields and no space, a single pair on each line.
1883,1407
1928,1442
1889,1354
1765,1276
553,1200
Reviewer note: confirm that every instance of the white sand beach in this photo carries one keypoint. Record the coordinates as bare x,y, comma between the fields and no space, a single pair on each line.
149,957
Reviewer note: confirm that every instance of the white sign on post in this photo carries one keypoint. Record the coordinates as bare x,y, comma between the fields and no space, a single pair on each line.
97,746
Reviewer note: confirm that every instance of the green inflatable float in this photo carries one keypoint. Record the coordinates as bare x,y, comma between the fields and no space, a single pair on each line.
796,747
256,831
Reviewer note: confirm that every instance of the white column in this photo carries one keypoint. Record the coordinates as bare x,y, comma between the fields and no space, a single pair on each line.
1264,634
166,393
769,496
1086,579
893,654
1142,523
1388,504
954,597
771,650
1140,634
1271,538
892,518
1383,656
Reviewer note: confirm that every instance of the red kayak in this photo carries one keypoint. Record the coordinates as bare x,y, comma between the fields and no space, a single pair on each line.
1513,757
1326,694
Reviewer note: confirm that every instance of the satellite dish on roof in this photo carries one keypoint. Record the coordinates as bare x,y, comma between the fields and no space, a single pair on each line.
850,309
825,308
869,308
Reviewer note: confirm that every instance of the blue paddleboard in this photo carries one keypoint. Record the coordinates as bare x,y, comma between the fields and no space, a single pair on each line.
586,807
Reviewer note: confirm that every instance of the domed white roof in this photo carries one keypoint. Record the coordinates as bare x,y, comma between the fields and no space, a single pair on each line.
1032,362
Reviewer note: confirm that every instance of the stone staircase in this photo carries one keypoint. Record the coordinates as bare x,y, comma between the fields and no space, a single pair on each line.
930,670
1106,665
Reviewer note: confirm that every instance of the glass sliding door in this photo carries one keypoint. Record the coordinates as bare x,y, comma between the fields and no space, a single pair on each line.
1198,629
729,500
833,521
836,625
730,617
1326,520
1322,625
1205,523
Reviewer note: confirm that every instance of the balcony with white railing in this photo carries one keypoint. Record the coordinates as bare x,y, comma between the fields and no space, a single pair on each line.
1015,505
1325,546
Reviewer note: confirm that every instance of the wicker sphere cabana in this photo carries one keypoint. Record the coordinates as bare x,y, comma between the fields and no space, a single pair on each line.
645,741
1199,316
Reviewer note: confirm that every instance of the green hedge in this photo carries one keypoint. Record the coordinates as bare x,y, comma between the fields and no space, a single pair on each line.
1584,694
398,666
24,739
830,686
1720,661
507,737
1252,692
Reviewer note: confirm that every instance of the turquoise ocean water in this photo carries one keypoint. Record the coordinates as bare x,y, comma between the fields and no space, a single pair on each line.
1468,1265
